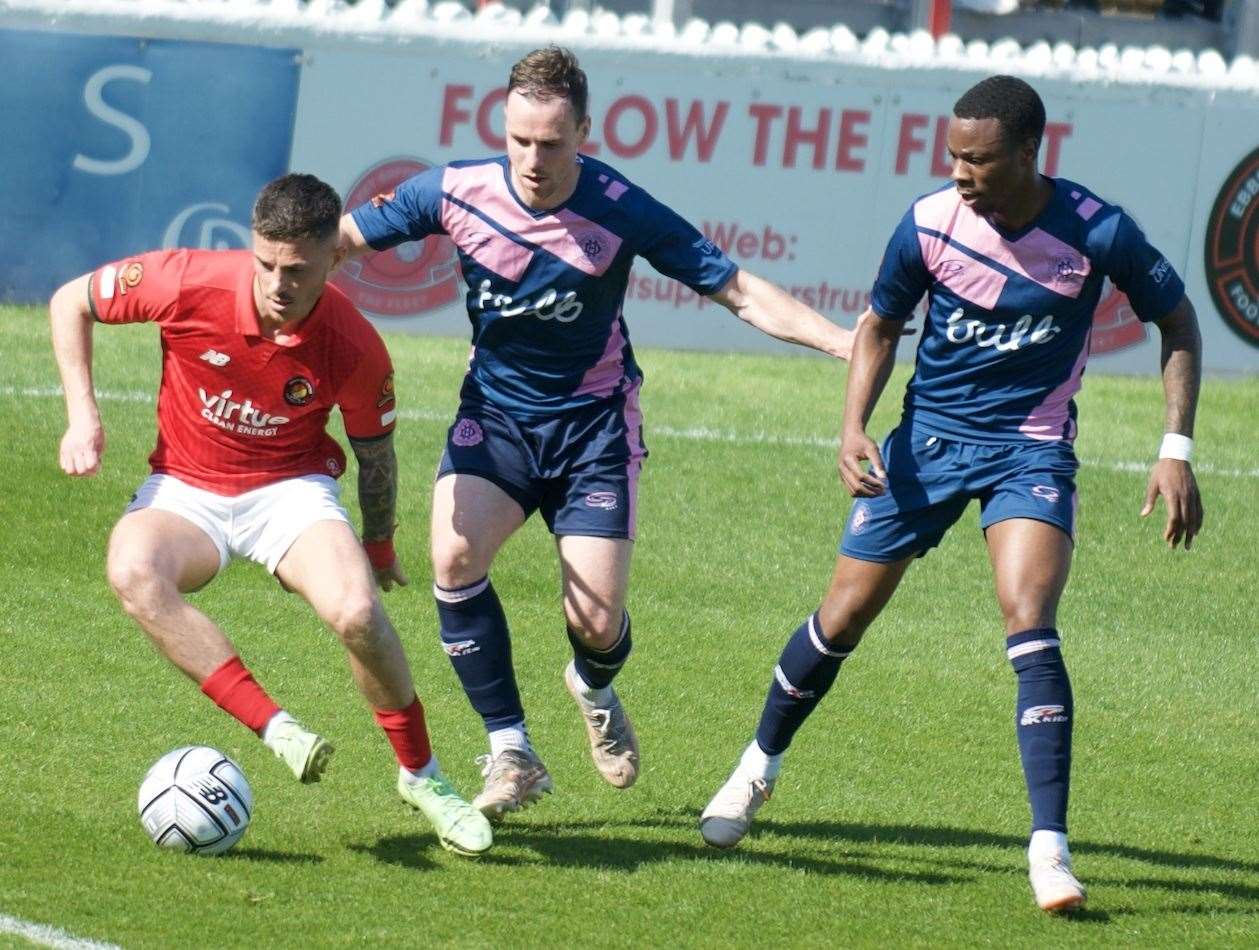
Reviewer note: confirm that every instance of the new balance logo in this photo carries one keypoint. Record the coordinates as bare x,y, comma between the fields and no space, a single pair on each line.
215,358
461,648
1035,715
212,794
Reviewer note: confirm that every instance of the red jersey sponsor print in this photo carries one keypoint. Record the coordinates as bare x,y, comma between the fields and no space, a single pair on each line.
236,411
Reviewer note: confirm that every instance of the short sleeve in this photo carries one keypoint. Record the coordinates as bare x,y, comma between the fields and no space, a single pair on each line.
1142,272
411,212
137,289
673,246
903,276
366,397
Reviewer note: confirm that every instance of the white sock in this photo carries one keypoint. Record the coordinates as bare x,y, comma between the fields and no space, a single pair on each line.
757,764
429,769
598,697
279,718
1048,844
510,737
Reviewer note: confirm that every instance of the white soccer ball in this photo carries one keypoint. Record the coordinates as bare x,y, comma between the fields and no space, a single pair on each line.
195,799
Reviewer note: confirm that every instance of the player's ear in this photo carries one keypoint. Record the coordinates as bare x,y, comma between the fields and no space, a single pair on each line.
339,252
583,130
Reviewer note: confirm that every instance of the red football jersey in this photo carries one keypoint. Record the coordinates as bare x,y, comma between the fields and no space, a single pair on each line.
236,411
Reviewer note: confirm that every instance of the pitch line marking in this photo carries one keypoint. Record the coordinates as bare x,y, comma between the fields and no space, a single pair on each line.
688,434
46,936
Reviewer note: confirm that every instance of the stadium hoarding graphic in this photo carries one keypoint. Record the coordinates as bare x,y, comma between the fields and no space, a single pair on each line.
117,145
1232,250
412,278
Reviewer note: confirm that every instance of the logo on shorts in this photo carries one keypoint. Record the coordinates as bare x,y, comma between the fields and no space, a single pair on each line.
298,391
1046,493
461,648
412,278
1037,715
334,467
1232,269
467,433
860,517
601,499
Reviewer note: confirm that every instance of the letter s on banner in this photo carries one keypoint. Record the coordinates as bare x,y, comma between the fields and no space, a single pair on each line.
132,127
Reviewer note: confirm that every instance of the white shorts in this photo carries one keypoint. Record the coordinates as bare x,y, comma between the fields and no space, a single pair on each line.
260,525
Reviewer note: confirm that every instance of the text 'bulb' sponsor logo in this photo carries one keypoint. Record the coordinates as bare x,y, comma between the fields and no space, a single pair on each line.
1232,250
1022,333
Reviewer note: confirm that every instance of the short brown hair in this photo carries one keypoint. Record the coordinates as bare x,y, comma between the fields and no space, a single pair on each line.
297,208
551,73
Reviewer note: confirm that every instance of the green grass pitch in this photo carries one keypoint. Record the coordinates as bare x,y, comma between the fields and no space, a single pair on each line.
900,818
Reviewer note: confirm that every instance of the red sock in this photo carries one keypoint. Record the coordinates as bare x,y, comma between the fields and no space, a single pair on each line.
235,691
406,732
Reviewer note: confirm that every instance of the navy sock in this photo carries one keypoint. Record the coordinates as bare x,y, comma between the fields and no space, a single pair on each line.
805,671
1042,720
599,667
475,637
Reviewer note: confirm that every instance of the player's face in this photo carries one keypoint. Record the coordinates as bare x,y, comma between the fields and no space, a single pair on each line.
543,137
991,173
289,276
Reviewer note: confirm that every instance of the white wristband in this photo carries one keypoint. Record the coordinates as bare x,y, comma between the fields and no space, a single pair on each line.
1176,446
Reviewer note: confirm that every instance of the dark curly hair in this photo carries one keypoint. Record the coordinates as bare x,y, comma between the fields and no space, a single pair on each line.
1010,101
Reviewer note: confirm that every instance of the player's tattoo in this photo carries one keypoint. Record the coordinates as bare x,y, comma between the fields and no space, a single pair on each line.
1182,368
377,485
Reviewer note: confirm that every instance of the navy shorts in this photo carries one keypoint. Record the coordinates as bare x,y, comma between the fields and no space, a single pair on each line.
579,468
932,478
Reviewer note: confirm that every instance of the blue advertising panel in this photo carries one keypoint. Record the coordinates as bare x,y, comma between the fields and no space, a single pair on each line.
117,145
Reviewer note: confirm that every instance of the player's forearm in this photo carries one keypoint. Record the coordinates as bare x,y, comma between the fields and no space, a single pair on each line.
377,486
772,310
70,321
873,356
1182,370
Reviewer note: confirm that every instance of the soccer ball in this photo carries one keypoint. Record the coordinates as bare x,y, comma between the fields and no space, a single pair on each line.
195,799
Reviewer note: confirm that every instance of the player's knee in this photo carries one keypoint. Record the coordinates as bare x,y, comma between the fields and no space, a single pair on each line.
139,588
357,620
457,564
843,623
597,629
1026,614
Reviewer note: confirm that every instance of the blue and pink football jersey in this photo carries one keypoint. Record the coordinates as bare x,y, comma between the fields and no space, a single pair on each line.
545,288
1009,313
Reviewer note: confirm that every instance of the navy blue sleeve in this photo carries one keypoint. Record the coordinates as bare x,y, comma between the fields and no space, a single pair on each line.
410,212
673,246
903,276
1140,271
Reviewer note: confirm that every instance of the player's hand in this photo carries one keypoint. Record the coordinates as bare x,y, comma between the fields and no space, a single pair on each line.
1173,479
857,447
81,449
387,577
